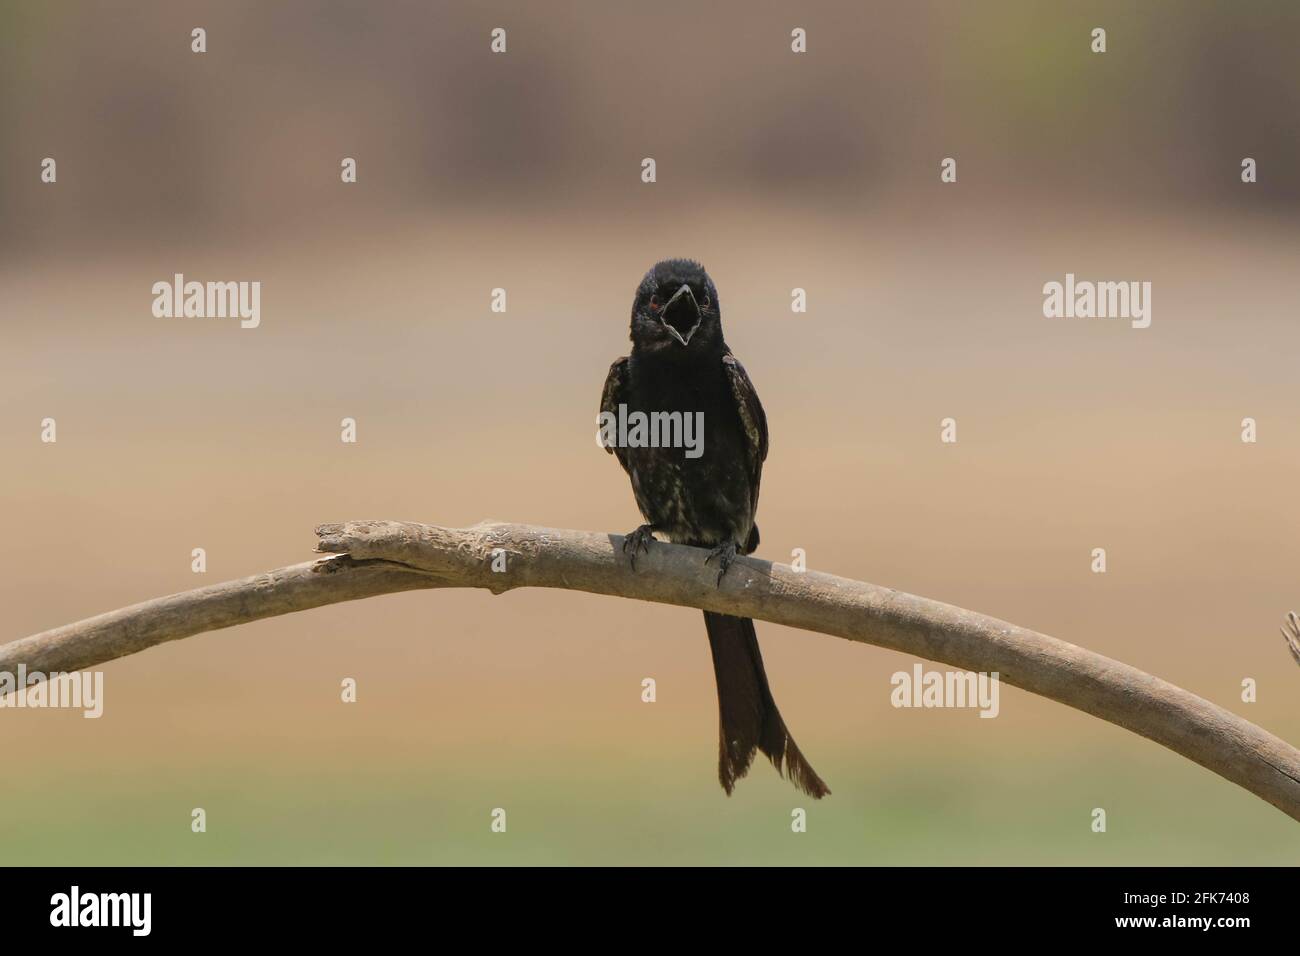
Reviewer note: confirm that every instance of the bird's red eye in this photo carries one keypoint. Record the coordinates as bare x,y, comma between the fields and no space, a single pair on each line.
704,303
654,302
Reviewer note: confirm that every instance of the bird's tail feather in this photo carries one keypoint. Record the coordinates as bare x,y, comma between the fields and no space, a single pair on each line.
748,718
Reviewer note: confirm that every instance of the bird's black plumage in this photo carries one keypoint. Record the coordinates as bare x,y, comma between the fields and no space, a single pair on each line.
680,363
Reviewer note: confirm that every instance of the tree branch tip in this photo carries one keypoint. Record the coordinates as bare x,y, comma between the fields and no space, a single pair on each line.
331,539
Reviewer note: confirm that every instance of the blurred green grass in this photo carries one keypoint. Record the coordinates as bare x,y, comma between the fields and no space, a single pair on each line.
902,812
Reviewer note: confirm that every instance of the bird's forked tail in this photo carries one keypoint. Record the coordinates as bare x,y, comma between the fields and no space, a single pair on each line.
748,718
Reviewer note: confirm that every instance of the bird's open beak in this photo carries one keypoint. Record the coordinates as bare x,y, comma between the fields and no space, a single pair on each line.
681,316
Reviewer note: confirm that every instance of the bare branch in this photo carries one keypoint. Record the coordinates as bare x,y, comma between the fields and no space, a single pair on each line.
379,557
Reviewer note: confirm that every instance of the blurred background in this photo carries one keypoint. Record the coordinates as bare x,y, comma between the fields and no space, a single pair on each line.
522,171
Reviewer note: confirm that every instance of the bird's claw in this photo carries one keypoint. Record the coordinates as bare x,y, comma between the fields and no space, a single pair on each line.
725,553
638,540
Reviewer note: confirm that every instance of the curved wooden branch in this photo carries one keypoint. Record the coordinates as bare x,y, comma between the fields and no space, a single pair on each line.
379,557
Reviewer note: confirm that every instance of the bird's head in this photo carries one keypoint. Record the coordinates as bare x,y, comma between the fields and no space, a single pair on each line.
676,308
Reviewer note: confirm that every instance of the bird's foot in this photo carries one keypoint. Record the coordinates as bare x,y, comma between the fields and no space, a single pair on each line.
725,553
638,540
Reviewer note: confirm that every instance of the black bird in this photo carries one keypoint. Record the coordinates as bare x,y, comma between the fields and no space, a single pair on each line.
680,363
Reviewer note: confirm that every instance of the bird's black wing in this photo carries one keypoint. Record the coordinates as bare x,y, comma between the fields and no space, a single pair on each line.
752,419
613,395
